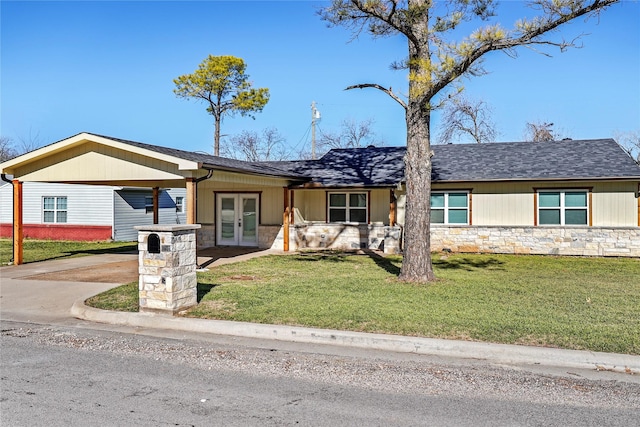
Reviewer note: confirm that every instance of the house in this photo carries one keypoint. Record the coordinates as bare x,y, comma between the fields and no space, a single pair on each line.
573,197
88,212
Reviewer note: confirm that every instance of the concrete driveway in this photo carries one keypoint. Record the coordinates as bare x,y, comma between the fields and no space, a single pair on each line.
44,292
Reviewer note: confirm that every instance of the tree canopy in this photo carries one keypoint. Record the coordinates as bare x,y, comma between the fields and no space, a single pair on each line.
221,82
436,61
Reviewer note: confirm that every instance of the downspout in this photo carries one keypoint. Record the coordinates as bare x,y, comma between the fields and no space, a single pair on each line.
13,237
195,205
196,181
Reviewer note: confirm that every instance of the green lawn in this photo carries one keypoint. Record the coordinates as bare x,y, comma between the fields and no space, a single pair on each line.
40,250
576,303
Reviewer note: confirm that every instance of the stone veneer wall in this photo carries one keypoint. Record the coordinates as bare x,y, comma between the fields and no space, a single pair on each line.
342,237
167,280
583,241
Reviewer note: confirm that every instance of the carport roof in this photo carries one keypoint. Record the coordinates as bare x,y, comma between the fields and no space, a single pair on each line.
208,161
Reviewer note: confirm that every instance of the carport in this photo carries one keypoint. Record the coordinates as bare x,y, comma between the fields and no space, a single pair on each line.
93,159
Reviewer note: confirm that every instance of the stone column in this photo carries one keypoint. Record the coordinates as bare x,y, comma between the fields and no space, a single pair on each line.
167,265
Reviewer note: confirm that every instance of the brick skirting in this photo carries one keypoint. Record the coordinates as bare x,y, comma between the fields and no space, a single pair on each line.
60,231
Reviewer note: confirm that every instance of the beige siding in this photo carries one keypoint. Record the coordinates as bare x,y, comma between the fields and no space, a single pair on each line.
311,204
614,204
93,162
379,206
502,204
512,204
271,199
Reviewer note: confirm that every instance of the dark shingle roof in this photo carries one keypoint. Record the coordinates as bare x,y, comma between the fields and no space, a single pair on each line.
356,167
568,159
558,160
384,166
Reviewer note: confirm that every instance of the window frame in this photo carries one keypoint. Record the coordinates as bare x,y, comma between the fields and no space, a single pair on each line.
446,208
179,204
56,210
148,204
347,208
562,207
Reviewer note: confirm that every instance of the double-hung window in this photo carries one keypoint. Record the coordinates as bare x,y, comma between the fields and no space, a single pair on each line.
54,209
450,207
148,204
179,204
348,207
563,207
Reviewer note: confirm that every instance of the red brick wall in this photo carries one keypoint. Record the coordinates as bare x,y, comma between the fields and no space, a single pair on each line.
61,231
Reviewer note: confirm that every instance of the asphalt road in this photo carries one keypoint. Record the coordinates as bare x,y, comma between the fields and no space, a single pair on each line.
85,376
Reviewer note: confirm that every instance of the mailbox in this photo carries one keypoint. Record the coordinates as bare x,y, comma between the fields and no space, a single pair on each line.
153,243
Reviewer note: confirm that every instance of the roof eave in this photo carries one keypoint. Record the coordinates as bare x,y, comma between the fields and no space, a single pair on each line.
9,166
590,178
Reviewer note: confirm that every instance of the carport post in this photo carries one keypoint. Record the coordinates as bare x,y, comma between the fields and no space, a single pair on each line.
156,191
191,200
18,233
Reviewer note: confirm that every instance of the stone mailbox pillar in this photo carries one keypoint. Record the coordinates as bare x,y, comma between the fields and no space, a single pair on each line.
167,267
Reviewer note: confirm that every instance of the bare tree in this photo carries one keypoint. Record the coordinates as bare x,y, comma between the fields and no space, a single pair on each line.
7,149
252,147
464,117
10,148
352,134
540,132
630,142
30,143
436,60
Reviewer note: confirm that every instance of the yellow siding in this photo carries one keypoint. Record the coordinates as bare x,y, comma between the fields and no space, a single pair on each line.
614,204
512,203
271,200
311,204
379,206
93,162
502,204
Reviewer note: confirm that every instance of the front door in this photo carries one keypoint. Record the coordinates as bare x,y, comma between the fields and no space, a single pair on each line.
237,219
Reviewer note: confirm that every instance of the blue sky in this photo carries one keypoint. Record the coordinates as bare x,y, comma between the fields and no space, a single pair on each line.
108,68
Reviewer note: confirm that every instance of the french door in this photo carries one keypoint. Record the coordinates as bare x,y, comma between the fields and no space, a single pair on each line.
237,219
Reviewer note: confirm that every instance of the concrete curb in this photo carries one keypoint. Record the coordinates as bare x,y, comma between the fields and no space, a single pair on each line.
496,353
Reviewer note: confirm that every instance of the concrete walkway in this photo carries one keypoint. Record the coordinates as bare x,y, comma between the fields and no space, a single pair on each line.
62,302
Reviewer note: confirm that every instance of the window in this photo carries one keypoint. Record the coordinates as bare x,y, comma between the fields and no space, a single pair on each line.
54,209
148,204
450,207
179,203
563,207
348,207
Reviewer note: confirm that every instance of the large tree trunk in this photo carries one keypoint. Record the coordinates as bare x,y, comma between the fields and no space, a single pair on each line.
416,265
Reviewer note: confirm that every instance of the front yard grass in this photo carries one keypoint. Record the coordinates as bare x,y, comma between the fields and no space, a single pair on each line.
567,302
41,250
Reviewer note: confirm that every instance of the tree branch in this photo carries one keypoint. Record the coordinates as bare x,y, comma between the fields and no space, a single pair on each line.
383,89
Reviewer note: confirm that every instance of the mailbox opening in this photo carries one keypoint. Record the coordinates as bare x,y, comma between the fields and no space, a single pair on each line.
153,243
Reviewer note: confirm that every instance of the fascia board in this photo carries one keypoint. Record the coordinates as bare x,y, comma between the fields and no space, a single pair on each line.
9,166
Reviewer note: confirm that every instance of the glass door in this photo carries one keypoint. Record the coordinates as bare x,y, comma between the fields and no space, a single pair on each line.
237,219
